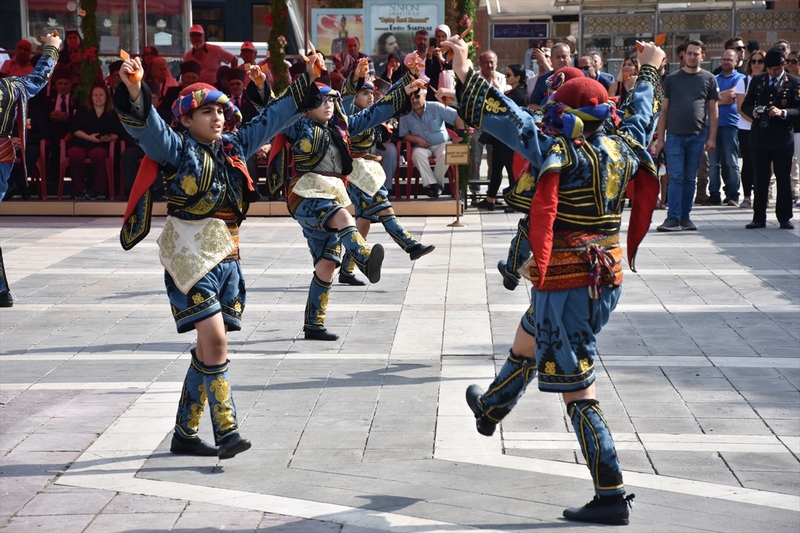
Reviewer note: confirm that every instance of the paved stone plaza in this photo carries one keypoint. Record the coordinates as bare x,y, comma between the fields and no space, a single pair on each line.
698,377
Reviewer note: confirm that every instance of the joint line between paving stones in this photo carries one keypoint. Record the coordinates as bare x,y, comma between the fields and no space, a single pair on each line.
308,419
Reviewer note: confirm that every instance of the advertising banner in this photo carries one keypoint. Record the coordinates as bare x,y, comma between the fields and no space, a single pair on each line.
389,26
330,29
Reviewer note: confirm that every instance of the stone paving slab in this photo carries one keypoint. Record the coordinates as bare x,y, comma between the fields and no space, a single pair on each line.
698,376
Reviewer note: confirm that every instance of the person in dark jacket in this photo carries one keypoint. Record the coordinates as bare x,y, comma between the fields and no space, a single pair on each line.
516,80
773,102
94,127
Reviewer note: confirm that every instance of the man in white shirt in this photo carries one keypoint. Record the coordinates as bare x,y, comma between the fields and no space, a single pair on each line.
488,64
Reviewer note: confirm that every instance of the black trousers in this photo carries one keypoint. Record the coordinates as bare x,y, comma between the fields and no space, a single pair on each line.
765,161
502,157
747,173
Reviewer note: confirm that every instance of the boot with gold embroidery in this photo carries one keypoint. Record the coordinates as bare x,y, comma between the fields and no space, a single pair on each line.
492,406
316,308
223,411
368,258
190,411
346,275
403,238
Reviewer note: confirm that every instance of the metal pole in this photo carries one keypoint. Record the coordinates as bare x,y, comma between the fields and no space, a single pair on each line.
306,22
144,26
25,31
135,26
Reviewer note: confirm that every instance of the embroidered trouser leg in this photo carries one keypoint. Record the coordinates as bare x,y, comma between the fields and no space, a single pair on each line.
357,248
597,446
508,387
317,304
398,232
193,401
220,400
519,250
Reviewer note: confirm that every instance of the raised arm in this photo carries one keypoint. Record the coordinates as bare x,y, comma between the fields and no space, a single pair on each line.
36,80
640,111
278,114
483,106
395,102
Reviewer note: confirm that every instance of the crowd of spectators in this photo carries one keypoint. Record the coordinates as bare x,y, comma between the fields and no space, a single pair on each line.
705,166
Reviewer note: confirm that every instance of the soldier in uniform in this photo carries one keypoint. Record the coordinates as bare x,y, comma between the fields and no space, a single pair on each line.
773,102
371,205
14,95
577,183
208,193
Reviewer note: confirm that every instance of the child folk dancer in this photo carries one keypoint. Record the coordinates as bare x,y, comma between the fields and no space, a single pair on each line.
371,205
208,192
317,195
14,95
576,190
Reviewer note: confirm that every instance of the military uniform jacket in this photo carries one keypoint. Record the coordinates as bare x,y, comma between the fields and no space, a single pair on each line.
778,135
587,178
202,179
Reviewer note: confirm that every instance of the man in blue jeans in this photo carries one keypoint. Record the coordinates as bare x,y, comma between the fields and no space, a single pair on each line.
690,100
725,159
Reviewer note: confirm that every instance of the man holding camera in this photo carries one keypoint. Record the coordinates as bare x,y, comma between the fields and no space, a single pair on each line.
773,102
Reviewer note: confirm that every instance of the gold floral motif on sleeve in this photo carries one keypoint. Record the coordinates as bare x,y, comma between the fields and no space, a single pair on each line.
495,107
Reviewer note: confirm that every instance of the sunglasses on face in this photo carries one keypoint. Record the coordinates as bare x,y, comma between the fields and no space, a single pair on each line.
792,61
756,61
585,67
740,48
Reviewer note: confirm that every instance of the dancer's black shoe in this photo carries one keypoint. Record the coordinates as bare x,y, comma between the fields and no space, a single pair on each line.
484,425
614,510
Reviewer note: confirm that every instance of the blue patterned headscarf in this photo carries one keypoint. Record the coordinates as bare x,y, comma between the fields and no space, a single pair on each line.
198,95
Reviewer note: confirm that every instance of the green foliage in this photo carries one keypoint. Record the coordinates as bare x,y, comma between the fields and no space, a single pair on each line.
91,63
277,42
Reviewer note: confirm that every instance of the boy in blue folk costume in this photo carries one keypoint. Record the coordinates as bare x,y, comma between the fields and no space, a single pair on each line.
576,188
317,195
14,95
365,185
208,192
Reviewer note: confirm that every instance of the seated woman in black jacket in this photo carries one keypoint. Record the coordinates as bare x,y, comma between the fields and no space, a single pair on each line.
94,126
502,155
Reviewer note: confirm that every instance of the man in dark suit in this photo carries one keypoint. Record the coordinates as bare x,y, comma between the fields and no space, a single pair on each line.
50,115
597,62
773,102
236,82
